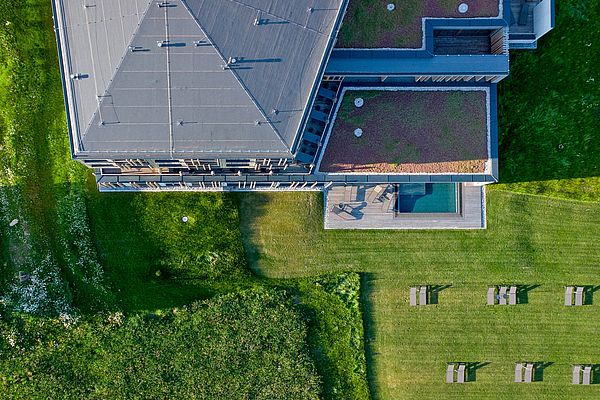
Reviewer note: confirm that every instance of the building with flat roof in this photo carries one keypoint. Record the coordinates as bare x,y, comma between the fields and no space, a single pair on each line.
389,108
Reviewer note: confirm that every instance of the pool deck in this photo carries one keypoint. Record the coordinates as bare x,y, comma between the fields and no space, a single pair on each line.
364,214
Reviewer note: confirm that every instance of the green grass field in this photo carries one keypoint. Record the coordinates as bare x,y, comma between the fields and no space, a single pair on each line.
549,109
530,241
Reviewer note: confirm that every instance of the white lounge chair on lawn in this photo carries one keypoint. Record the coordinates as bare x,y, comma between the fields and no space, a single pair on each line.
502,295
512,296
519,372
423,295
460,378
413,296
579,296
491,296
450,373
568,295
528,373
576,380
587,375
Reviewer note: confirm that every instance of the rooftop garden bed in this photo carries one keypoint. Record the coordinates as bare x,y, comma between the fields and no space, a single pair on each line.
369,24
407,131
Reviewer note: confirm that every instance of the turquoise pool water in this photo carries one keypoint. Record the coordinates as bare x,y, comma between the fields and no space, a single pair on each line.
427,198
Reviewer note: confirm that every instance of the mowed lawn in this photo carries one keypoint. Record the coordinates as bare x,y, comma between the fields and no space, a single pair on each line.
530,240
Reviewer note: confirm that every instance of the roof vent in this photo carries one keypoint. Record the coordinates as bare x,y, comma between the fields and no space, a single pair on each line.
257,20
359,102
358,132
391,7
230,62
463,8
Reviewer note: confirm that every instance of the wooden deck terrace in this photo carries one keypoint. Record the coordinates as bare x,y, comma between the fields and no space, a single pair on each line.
375,214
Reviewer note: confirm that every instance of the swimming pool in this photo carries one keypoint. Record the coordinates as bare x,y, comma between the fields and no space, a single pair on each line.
428,198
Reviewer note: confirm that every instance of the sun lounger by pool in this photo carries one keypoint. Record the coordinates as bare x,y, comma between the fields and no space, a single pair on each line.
341,212
568,295
376,193
413,296
576,380
528,373
502,295
460,376
450,373
389,203
491,296
587,375
423,295
579,296
512,295
519,372
350,193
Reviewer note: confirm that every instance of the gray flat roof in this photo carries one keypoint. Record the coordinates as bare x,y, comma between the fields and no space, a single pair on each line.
156,77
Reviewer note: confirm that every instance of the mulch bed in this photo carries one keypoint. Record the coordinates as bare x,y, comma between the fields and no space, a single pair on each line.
369,25
409,132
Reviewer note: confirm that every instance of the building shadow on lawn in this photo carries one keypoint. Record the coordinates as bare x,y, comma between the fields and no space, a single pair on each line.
589,294
539,367
471,369
523,292
251,208
434,292
135,259
595,374
367,288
